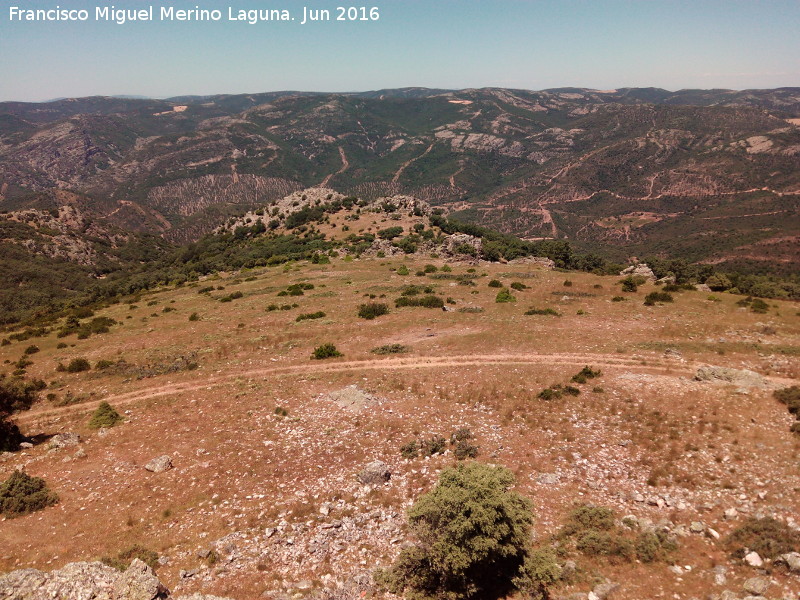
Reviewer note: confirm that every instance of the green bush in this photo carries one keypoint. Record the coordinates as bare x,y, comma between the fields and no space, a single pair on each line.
588,516
435,444
77,365
653,297
495,283
105,416
629,285
585,374
465,449
101,365
32,349
21,494
789,396
123,560
759,306
372,310
504,296
618,299
391,349
194,317
410,450
307,316
474,541
518,285
402,270
325,351
429,301
543,311
767,536
430,269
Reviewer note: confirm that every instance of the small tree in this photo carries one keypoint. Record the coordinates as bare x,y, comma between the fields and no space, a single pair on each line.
105,416
474,543
21,494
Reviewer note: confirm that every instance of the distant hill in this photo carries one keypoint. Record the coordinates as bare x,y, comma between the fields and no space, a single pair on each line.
709,175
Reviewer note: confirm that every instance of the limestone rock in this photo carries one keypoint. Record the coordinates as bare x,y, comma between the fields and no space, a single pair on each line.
741,377
603,591
753,559
84,581
790,560
374,473
159,464
641,270
64,440
756,585
138,582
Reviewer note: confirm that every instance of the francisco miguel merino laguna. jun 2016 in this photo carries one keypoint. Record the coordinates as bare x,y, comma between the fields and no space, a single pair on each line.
170,13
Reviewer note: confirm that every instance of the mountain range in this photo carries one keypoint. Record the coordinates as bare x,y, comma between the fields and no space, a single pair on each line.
706,175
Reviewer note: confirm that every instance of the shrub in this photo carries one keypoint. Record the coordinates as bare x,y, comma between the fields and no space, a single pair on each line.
123,560
77,365
430,268
372,310
588,516
325,351
280,412
629,285
429,301
543,311
474,541
518,285
504,296
435,444
465,449
585,374
194,317
402,270
390,233
21,494
759,306
789,396
618,299
391,349
567,283
767,536
32,349
654,297
306,316
410,450
105,416
100,365
495,283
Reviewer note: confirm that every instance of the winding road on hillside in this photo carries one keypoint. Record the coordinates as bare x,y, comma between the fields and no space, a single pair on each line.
604,361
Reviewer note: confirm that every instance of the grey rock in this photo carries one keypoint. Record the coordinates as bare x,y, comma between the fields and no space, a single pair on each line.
84,581
374,473
159,464
641,269
697,527
791,561
756,585
741,377
603,591
25,445
720,575
63,440
138,582
548,478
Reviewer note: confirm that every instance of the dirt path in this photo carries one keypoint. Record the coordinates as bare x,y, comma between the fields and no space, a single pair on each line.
603,361
408,162
345,166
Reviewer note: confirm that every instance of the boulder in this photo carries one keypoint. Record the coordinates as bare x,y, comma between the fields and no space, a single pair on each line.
641,270
63,440
740,377
159,464
139,582
374,473
753,559
756,586
790,560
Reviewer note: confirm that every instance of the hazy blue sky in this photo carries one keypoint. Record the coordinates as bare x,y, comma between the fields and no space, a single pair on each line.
436,43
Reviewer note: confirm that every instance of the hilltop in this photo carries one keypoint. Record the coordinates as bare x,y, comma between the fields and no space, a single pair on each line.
626,172
672,424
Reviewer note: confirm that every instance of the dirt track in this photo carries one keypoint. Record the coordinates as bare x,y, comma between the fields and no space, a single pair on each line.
604,361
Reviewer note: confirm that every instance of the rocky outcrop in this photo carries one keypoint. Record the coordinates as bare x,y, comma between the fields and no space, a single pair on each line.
64,440
641,270
742,377
159,464
84,581
376,472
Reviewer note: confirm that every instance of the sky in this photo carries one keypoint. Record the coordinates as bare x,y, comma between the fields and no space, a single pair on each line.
453,44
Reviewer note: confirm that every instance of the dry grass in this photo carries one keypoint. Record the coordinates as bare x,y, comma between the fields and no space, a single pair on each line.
241,468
